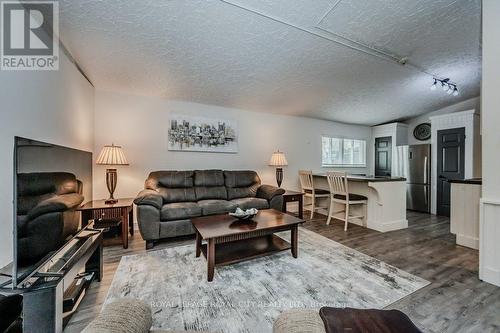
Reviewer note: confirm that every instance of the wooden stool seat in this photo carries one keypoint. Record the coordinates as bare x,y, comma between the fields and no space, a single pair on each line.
352,197
317,191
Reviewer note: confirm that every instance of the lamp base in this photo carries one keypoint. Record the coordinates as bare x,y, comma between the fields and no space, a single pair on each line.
279,176
111,180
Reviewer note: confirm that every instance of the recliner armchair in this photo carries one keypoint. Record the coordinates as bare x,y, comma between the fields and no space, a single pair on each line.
171,198
46,212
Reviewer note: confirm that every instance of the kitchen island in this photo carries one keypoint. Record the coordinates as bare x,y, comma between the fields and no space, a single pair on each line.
464,212
386,209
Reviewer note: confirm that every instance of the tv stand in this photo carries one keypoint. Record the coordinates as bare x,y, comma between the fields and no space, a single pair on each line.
44,290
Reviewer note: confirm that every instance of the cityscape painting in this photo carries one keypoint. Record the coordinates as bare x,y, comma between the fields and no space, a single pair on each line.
189,133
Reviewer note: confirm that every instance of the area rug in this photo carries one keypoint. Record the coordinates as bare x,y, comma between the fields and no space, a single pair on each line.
249,296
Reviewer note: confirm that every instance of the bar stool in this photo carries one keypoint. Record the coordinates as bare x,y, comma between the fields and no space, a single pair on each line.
339,193
307,184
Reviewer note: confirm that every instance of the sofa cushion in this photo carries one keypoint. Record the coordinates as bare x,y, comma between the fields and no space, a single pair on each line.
210,192
171,179
179,211
208,178
242,192
170,195
241,184
175,228
212,207
241,178
246,203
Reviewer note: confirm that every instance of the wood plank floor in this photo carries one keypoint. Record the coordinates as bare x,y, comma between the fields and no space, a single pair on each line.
455,301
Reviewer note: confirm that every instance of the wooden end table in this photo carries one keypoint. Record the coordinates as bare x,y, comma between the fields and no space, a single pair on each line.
293,196
229,240
123,209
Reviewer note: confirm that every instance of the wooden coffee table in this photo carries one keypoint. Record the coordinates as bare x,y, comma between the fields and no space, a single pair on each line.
229,240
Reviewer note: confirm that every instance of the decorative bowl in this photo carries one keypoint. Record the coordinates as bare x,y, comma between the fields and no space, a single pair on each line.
244,214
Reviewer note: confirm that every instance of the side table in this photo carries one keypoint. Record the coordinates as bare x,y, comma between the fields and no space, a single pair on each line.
294,196
123,209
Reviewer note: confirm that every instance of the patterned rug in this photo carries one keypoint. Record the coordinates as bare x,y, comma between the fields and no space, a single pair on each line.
247,297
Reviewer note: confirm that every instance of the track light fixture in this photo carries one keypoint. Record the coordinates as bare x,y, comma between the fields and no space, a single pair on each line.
446,85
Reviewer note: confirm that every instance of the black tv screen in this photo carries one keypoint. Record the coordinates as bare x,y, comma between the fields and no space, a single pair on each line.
51,182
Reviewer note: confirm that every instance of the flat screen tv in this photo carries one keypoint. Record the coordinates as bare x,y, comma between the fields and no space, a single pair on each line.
50,183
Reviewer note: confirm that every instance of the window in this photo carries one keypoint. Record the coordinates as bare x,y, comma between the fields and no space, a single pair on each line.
343,152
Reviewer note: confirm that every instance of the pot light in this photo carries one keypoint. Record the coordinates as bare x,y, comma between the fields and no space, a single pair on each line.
446,85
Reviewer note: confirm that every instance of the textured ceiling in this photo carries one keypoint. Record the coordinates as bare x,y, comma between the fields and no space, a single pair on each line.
296,57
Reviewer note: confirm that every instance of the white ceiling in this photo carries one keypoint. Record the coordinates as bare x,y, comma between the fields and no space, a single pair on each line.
296,57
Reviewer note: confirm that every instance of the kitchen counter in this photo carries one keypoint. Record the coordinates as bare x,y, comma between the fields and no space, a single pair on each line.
356,178
473,181
464,212
386,208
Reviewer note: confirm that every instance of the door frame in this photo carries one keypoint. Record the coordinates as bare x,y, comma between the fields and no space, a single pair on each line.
439,161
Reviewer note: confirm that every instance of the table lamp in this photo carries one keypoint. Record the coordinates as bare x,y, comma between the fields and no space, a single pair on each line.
278,160
111,155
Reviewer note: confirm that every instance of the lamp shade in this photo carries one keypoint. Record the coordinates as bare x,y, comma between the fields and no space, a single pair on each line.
278,159
112,155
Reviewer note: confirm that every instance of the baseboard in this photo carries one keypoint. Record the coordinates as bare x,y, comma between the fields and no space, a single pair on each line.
489,275
389,226
489,245
384,227
468,241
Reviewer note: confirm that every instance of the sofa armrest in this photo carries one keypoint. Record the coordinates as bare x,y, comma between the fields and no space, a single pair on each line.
150,198
123,315
59,203
268,192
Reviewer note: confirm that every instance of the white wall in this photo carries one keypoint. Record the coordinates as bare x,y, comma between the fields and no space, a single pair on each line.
489,237
469,104
140,125
51,106
398,133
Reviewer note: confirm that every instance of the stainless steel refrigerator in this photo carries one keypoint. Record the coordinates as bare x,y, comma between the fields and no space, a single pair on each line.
418,184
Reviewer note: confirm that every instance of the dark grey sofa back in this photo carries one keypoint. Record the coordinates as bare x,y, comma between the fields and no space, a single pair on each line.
190,186
241,184
173,186
209,184
170,179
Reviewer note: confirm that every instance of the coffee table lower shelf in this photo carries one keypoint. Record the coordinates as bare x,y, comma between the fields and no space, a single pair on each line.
241,250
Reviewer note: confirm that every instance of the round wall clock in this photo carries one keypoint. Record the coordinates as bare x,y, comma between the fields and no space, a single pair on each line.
422,132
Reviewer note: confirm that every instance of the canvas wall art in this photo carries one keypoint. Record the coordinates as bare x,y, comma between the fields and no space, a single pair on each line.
193,133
